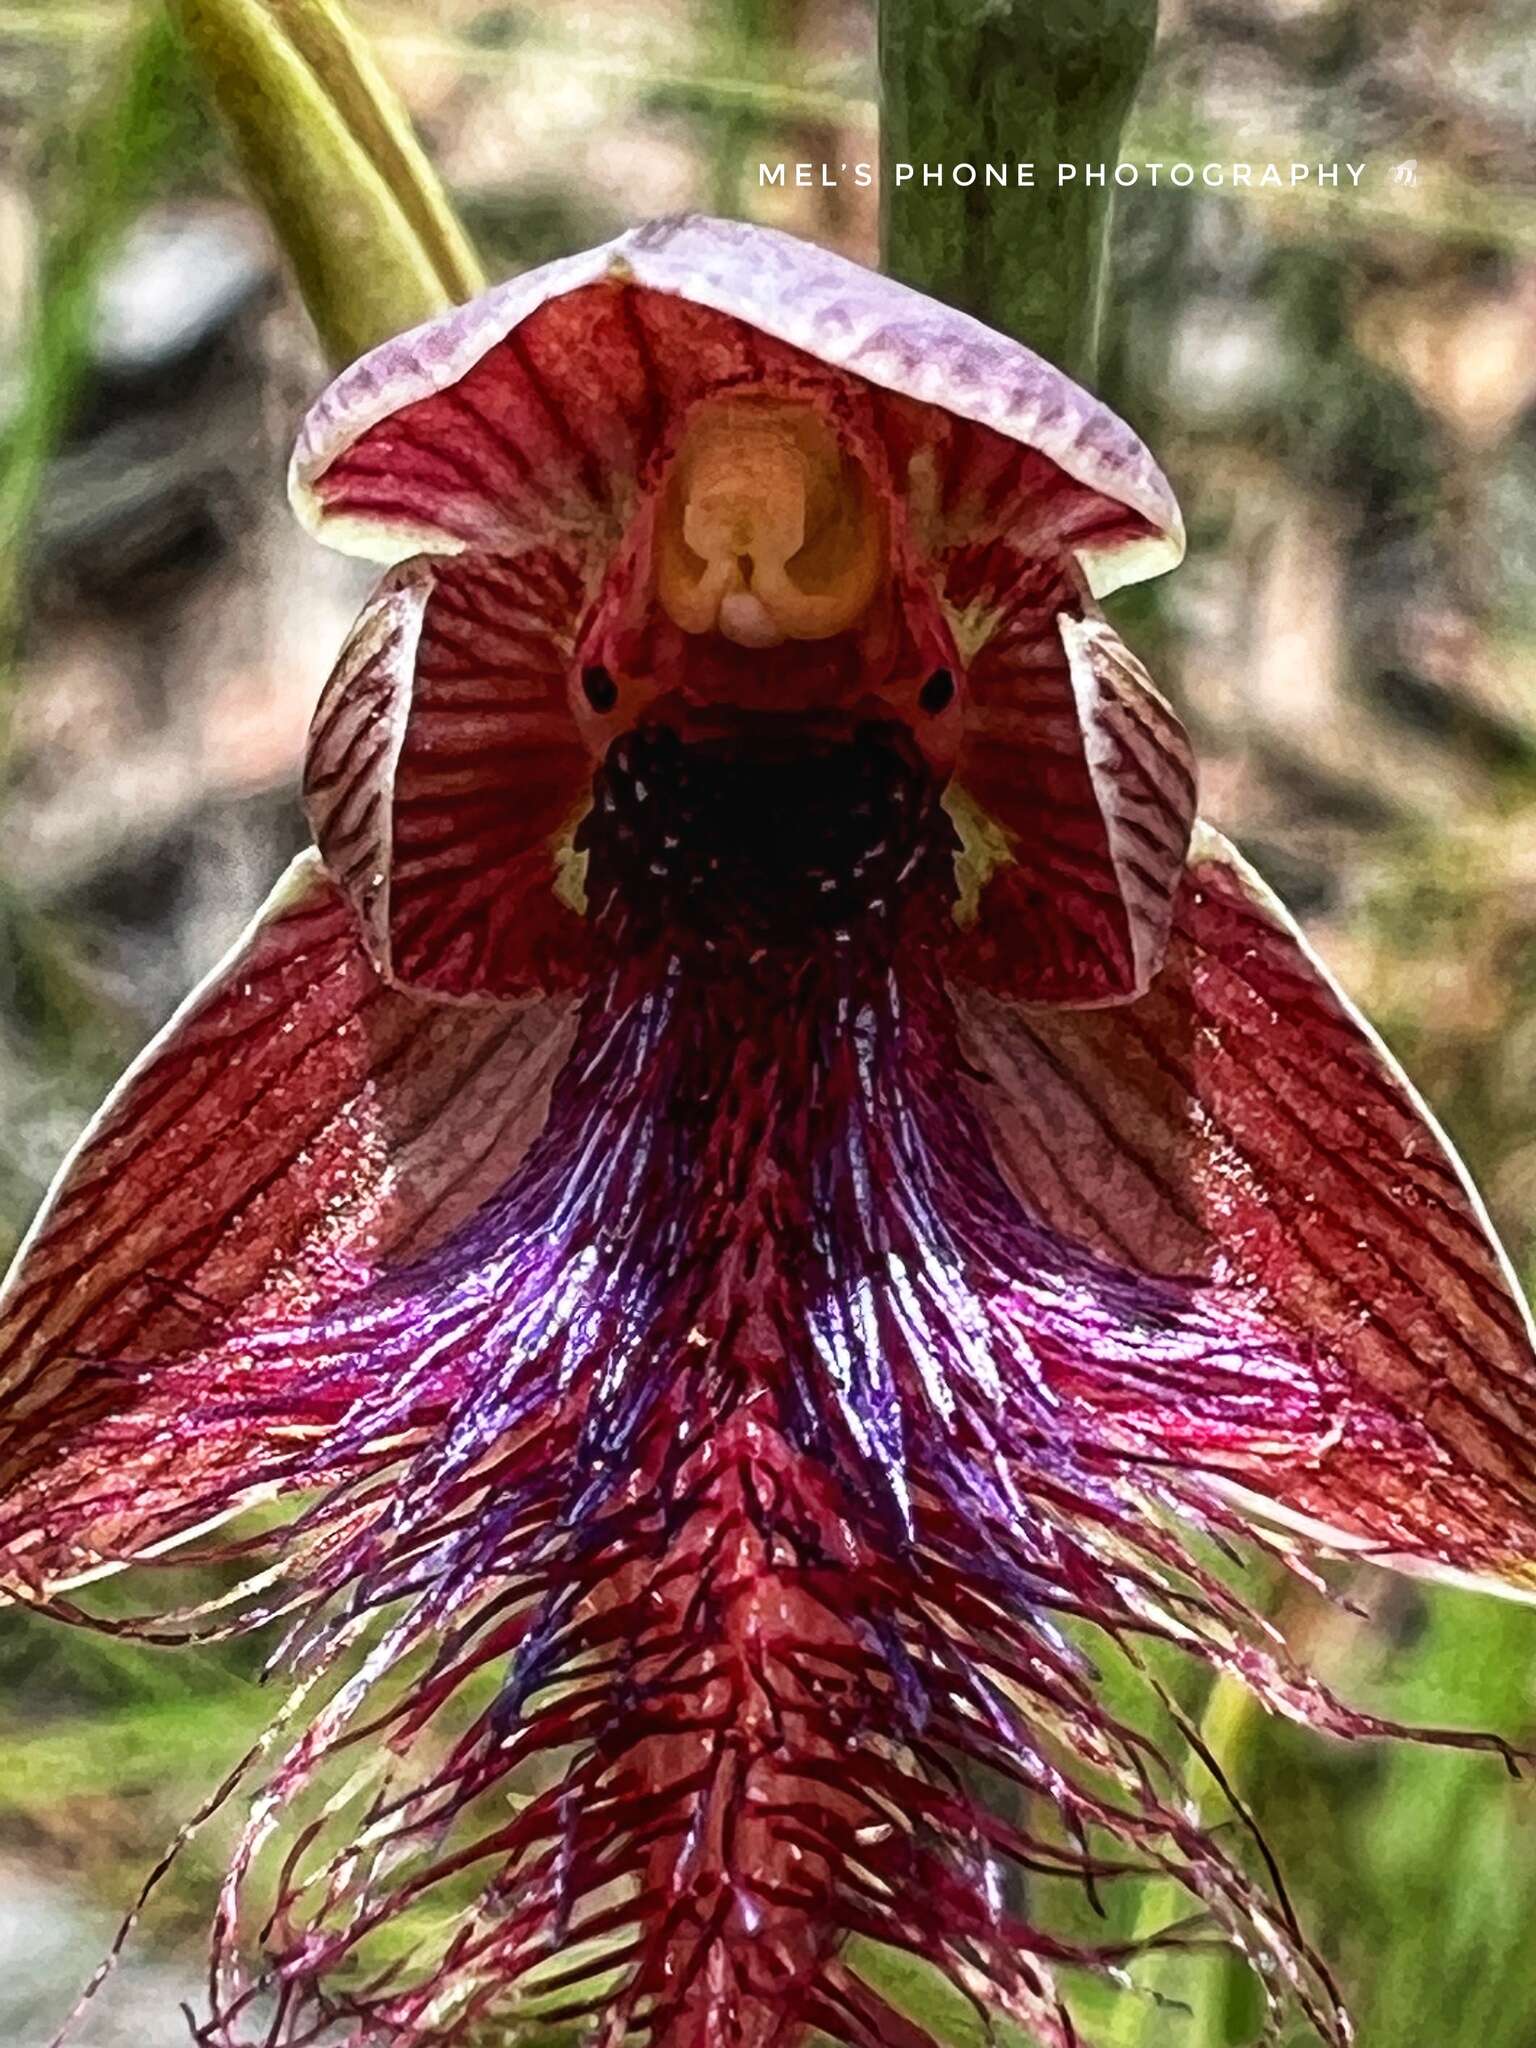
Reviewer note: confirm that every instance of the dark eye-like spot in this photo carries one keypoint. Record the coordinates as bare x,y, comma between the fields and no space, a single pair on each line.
599,689
938,693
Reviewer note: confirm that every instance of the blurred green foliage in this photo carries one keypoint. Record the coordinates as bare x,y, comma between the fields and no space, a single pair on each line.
94,180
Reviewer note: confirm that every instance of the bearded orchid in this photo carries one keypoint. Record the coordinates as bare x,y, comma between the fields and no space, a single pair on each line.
766,1189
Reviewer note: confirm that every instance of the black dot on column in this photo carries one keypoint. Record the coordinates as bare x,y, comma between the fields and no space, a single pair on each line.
599,689
938,693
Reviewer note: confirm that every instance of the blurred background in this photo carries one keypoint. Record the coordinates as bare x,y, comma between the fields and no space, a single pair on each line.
1342,385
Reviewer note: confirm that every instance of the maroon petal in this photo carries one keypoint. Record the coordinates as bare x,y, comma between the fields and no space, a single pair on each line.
1075,798
1243,1126
297,1129
716,1435
444,776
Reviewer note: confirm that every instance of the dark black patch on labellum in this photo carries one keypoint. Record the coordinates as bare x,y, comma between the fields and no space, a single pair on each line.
766,837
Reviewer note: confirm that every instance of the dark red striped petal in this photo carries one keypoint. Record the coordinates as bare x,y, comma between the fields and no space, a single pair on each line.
295,1131
444,777
1242,1126
527,435
1075,796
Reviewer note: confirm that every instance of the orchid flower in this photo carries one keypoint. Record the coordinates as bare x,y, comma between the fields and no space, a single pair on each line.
771,1195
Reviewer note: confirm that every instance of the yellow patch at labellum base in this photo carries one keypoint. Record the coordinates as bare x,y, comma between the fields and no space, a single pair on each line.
769,530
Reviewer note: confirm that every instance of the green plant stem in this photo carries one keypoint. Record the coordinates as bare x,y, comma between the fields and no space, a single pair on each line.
325,38
328,151
1004,82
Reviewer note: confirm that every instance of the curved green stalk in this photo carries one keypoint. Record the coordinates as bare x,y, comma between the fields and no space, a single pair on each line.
328,150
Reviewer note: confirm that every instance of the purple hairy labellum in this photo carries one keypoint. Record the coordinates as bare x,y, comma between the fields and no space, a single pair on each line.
770,1196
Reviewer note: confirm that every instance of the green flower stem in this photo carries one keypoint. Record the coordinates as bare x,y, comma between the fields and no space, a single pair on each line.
1040,82
334,51
329,152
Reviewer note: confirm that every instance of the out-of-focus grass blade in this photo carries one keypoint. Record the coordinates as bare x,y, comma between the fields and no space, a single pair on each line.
1409,1865
111,165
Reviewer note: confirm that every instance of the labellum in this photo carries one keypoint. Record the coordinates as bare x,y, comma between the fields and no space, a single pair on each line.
771,1196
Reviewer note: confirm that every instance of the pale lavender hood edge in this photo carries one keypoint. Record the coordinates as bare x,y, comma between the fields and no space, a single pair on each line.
834,309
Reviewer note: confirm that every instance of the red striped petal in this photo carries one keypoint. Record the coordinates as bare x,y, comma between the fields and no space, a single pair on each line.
1242,1123
295,1131
1075,793
444,775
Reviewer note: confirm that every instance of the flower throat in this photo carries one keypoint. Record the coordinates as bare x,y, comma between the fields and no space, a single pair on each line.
772,839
